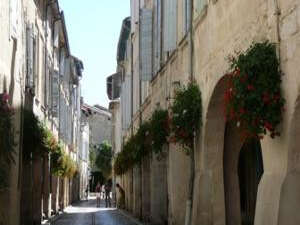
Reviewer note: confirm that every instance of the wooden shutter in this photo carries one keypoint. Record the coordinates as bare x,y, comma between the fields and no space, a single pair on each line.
157,36
55,94
146,45
186,15
56,34
30,57
13,13
62,62
134,15
170,25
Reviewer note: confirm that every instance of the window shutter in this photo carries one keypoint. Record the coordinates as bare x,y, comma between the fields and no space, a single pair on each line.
186,15
134,15
157,35
116,82
128,49
55,94
62,62
56,34
170,24
146,45
30,57
13,11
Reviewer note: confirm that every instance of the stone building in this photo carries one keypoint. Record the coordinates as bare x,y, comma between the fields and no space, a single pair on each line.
100,131
172,40
40,75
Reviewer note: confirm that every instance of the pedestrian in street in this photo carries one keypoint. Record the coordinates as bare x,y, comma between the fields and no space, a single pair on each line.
107,194
121,201
87,193
98,190
103,192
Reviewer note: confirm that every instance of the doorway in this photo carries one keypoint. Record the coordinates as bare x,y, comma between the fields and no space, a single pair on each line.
250,170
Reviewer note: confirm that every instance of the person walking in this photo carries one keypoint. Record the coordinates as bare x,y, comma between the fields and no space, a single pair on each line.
87,193
98,190
107,195
121,201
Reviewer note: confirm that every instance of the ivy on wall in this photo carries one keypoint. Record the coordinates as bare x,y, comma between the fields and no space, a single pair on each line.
7,139
150,137
62,165
186,115
34,135
253,98
161,129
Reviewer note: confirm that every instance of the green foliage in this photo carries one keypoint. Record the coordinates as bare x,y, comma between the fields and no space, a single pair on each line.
159,130
142,142
33,135
125,159
151,136
253,98
7,139
104,159
37,138
92,157
62,165
187,113
57,161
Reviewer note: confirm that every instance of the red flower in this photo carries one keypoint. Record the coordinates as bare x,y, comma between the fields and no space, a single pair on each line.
237,72
5,97
250,87
269,126
242,111
276,97
266,98
244,78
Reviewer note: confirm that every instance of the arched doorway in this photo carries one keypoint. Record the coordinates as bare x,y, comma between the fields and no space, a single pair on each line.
243,169
250,170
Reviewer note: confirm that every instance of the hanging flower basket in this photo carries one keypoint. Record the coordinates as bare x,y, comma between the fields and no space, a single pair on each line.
253,98
186,115
159,130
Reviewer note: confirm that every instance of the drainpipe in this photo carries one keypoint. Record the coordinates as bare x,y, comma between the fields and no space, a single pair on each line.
131,114
45,86
277,13
189,202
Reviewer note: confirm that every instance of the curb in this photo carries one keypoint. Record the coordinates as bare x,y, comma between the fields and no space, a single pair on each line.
129,216
52,219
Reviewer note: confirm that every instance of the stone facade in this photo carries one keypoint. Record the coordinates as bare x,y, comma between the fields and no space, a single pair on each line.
220,29
40,75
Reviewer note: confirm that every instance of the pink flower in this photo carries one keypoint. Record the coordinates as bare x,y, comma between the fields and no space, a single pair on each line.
5,97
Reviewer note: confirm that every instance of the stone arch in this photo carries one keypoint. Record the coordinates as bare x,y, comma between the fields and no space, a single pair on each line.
290,192
210,200
219,159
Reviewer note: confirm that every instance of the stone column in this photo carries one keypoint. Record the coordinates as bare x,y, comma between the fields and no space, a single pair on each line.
146,190
26,193
137,192
46,186
37,190
159,191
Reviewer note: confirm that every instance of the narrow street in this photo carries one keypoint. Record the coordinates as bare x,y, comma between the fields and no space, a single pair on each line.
86,213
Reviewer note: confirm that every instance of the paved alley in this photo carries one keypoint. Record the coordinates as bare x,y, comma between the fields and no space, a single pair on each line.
86,213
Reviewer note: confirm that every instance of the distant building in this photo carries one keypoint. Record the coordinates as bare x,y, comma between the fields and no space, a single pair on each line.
100,125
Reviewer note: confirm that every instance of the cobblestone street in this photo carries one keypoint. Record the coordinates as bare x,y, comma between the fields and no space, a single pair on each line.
86,213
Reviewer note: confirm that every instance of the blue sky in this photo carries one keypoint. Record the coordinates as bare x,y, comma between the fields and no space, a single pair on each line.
93,28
